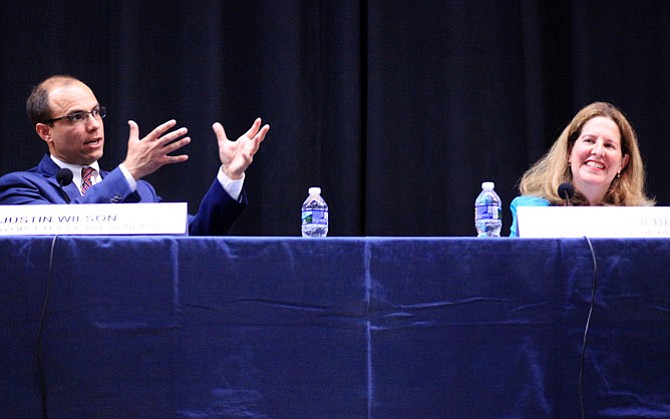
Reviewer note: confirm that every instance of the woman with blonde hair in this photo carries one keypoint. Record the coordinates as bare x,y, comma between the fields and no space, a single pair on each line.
598,153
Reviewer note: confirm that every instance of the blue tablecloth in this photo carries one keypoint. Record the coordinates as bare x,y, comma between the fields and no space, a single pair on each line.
283,327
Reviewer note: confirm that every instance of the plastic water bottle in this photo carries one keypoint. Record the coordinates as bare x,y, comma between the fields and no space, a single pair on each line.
314,214
488,212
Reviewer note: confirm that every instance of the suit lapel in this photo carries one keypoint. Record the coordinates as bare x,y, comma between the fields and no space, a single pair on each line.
72,191
49,170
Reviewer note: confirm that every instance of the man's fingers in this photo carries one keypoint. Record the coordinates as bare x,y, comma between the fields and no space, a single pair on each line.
176,145
134,130
263,132
171,136
176,159
251,133
159,130
255,144
219,131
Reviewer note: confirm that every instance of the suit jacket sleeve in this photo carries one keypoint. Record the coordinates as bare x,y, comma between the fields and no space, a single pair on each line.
217,212
31,187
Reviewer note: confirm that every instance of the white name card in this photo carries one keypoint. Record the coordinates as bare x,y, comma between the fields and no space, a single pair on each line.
93,219
603,222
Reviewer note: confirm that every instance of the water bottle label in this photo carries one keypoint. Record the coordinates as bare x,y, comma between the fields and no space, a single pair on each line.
488,212
315,216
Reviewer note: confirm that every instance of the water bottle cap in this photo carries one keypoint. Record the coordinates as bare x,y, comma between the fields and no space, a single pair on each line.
488,185
314,190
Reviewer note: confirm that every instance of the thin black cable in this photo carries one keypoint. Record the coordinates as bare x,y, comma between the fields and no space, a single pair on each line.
43,313
586,327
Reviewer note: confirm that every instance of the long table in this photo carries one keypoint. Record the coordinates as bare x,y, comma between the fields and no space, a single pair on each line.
370,327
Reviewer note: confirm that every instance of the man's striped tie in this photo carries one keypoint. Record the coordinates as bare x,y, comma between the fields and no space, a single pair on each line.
86,173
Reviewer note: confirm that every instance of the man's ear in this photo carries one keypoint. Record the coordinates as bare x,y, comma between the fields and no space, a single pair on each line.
44,131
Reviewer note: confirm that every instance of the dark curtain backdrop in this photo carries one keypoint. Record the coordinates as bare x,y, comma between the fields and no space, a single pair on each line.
397,109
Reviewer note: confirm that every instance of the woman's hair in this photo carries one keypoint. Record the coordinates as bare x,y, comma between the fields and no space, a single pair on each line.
545,176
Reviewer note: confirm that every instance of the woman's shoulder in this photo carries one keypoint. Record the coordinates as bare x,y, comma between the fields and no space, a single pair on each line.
529,201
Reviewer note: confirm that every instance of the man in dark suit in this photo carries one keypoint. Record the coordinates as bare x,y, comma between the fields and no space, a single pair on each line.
68,117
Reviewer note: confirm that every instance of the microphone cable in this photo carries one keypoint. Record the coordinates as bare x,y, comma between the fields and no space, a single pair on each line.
64,178
586,328
43,313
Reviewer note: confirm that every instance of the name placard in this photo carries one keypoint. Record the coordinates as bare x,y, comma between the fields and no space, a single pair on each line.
603,222
93,219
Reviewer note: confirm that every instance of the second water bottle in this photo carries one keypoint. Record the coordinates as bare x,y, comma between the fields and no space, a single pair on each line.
314,214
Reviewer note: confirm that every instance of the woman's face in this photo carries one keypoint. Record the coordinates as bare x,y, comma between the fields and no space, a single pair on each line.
596,158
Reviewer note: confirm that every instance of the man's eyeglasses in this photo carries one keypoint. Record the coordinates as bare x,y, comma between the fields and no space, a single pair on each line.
80,116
